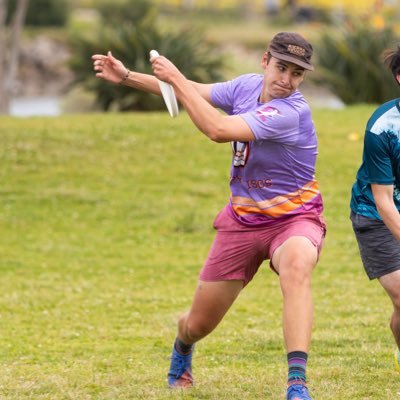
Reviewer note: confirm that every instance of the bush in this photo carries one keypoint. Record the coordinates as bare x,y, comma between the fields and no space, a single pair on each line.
43,12
350,64
131,42
113,12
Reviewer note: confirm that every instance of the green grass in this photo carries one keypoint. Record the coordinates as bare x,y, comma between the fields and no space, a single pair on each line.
105,222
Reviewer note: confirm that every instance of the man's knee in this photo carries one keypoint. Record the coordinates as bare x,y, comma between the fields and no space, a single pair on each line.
391,283
296,273
396,302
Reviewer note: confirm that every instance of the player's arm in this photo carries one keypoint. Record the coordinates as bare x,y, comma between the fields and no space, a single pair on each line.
383,196
113,70
218,127
204,90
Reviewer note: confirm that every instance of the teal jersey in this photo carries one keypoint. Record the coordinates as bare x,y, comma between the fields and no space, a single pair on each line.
380,160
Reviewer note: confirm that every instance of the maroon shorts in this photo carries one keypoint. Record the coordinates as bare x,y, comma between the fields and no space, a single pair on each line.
238,250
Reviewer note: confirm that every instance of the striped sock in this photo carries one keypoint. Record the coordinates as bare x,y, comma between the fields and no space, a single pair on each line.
297,362
183,348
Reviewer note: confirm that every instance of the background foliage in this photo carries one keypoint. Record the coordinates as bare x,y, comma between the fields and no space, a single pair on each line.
349,61
43,12
130,35
347,58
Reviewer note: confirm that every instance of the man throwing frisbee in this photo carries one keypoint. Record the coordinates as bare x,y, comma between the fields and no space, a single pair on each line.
275,208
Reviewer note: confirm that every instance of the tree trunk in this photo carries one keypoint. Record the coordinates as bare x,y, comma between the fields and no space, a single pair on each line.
10,38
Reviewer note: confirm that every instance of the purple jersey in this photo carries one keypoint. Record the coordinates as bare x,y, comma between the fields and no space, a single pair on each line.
274,175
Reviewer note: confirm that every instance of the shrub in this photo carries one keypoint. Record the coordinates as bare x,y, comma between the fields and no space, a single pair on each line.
350,64
131,40
113,12
43,12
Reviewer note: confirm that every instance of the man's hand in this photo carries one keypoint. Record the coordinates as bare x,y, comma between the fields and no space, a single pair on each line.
165,70
383,196
109,68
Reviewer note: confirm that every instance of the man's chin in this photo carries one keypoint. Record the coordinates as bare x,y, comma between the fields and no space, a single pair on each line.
282,94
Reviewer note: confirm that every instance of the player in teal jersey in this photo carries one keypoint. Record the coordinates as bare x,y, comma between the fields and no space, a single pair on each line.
375,201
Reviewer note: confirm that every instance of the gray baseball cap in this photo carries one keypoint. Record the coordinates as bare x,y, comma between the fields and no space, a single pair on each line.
292,47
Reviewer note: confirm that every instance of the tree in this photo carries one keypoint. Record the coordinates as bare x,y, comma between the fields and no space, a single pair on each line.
10,37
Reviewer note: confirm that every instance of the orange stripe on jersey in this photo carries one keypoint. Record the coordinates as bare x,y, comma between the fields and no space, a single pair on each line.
279,205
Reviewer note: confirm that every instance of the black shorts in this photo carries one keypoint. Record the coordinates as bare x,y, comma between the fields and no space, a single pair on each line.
379,249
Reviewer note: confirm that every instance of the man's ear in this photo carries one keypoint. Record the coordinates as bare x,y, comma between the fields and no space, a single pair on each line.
398,78
264,60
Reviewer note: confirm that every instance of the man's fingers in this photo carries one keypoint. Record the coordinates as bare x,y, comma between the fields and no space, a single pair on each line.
101,59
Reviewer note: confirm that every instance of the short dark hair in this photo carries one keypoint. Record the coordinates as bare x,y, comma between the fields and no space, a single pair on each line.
391,58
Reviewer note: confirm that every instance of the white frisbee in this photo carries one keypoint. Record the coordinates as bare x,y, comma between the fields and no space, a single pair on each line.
167,92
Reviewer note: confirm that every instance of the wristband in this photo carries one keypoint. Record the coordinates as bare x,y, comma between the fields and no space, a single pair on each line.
125,77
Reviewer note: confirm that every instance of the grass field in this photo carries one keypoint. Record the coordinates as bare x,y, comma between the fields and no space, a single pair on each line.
105,222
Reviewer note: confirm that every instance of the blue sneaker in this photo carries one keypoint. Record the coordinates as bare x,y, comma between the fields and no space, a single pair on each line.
180,370
297,392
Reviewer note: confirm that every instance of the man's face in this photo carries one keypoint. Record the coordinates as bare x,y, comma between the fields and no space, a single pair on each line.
281,78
